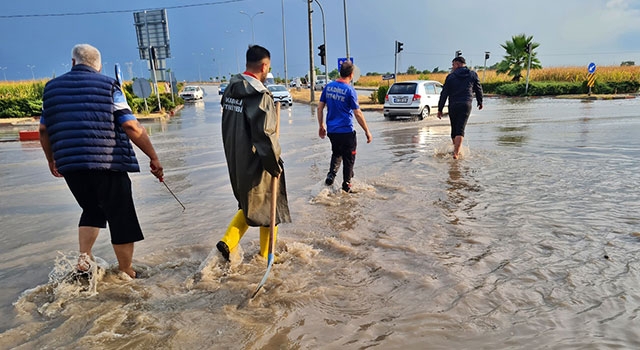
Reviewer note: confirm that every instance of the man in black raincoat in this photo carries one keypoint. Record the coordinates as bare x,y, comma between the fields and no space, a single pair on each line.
459,87
252,149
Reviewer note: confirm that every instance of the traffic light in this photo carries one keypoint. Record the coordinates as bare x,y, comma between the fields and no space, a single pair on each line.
527,48
458,53
399,46
486,55
322,55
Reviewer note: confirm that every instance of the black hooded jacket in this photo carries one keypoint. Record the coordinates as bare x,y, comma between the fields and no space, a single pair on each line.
459,88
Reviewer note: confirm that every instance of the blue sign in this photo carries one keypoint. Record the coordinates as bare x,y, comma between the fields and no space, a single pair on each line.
343,60
591,68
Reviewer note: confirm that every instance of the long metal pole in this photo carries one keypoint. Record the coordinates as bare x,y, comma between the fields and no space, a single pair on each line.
152,64
346,28
526,88
284,45
324,38
395,55
312,95
484,71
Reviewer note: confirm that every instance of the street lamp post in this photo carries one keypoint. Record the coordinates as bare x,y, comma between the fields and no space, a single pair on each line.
324,38
198,61
484,71
32,67
346,29
253,39
284,45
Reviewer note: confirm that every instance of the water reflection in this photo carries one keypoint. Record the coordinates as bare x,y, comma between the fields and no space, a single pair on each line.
459,191
407,143
512,135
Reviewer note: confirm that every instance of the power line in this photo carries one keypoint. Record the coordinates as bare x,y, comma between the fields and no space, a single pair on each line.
116,11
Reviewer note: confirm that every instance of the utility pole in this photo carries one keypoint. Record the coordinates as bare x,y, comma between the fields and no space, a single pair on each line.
397,49
284,45
324,38
484,71
346,29
312,71
130,69
528,50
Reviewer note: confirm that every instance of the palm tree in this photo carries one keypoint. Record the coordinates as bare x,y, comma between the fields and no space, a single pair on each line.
516,59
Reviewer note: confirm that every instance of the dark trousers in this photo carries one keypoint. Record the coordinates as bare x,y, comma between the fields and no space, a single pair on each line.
459,115
343,149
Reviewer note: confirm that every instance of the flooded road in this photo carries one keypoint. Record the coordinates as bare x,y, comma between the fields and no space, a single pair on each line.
531,238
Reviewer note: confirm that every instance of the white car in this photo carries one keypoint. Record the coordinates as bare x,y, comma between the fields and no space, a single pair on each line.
280,94
415,98
192,92
320,84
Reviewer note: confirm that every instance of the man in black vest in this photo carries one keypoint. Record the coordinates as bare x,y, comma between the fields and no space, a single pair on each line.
85,129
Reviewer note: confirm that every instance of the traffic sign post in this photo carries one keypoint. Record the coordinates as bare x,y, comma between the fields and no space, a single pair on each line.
342,60
591,77
388,77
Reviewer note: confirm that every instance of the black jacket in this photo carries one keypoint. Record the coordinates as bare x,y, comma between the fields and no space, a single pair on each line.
252,149
459,88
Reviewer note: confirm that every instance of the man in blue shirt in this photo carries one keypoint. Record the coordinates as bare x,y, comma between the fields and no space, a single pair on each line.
341,100
85,132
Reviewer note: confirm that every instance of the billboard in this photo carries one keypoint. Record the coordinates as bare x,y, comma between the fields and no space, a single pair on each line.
152,31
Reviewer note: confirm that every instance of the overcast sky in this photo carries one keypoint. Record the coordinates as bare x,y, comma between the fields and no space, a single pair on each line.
210,40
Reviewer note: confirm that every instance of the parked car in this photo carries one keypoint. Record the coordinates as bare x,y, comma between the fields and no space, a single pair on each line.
280,94
192,92
221,88
320,84
415,98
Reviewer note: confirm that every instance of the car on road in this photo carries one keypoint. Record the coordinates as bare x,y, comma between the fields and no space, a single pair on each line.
280,94
192,92
320,84
221,88
415,98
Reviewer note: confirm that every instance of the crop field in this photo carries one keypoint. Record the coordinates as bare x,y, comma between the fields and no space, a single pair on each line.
553,74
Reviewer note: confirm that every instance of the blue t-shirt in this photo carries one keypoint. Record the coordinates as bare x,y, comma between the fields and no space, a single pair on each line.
341,100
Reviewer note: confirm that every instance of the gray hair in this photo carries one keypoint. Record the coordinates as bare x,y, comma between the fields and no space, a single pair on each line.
87,55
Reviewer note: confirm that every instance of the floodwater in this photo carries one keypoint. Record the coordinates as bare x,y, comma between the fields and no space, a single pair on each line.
531,240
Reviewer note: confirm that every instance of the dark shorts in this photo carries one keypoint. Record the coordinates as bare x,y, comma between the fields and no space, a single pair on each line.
458,115
105,196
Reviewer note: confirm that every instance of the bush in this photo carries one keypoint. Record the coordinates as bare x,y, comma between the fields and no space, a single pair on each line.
20,107
381,93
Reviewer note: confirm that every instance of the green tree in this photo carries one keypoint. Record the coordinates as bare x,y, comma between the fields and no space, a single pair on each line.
516,59
334,74
412,70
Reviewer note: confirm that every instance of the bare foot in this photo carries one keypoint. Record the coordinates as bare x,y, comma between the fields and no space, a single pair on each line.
455,156
84,262
129,272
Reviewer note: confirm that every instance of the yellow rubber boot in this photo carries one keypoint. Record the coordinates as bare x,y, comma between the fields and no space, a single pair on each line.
264,240
237,228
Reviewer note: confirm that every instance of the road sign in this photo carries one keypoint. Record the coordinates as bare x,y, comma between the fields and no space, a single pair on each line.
388,76
592,67
591,80
343,60
141,88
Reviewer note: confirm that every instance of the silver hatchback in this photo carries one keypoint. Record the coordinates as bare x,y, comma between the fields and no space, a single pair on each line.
415,98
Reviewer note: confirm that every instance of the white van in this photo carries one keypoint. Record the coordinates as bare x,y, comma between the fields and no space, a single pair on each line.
270,79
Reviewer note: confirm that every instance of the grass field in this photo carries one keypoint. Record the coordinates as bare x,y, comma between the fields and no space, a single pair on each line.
555,74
